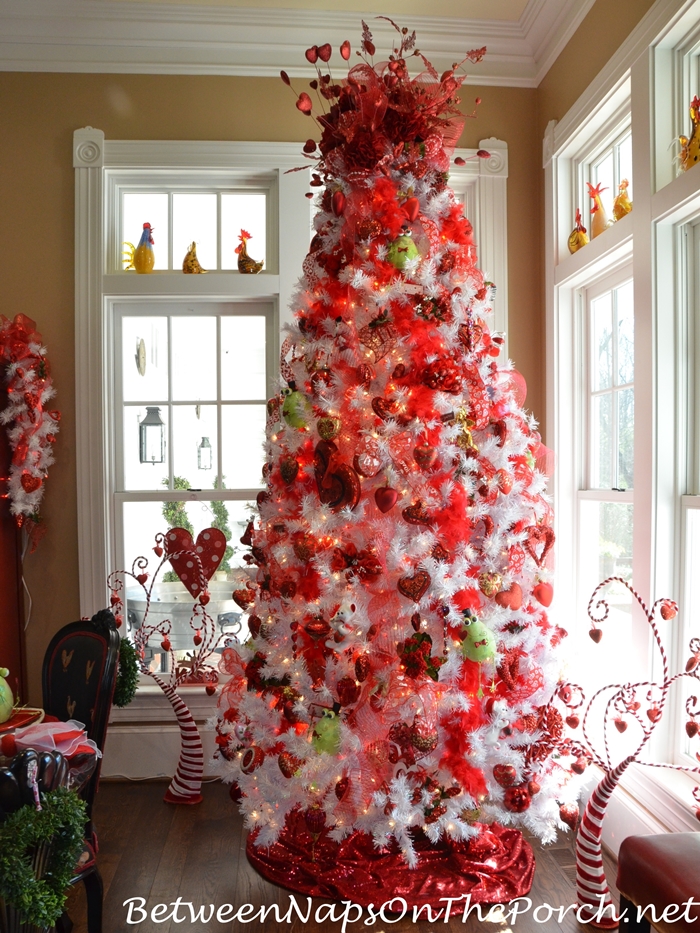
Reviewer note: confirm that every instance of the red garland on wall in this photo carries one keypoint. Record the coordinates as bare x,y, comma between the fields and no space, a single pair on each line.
31,427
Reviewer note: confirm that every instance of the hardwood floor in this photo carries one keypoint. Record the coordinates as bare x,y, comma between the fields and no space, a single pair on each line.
156,851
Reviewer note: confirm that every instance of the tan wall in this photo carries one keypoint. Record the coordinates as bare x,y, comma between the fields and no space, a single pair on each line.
39,114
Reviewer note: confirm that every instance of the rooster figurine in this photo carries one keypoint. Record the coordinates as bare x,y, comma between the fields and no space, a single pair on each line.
690,147
622,204
190,264
142,257
599,217
578,236
245,263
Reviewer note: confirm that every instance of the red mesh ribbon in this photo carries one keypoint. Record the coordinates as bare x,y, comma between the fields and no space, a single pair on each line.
497,868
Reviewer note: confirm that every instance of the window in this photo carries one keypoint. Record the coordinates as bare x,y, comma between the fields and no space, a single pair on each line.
609,169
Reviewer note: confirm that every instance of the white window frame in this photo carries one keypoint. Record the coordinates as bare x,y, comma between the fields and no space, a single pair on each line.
646,77
99,165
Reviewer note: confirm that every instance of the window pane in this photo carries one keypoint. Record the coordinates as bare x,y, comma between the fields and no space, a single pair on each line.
625,449
194,218
605,548
139,208
145,359
625,333
171,600
624,155
243,212
194,358
602,349
603,174
195,449
243,435
243,358
602,441
139,475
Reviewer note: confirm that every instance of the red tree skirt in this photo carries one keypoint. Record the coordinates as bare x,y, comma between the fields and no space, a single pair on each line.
495,868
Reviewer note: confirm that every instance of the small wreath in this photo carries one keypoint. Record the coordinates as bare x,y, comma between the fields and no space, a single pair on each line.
128,675
31,427
60,822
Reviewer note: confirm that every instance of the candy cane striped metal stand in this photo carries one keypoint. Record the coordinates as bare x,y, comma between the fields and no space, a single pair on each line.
592,888
186,785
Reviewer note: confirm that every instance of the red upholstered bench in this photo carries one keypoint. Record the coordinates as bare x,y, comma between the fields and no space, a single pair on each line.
660,872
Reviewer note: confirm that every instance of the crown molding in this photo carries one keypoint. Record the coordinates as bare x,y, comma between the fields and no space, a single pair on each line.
138,37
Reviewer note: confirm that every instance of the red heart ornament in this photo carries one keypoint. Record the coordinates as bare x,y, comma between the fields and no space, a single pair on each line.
304,103
620,725
596,634
572,721
654,713
30,483
324,52
414,587
539,542
544,594
416,515
510,599
385,497
505,775
183,553
668,610
691,728
312,54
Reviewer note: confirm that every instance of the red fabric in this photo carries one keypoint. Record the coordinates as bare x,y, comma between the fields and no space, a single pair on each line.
495,868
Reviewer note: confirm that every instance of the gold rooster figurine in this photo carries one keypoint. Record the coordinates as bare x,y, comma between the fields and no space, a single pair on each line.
245,263
578,236
599,217
190,263
622,204
690,147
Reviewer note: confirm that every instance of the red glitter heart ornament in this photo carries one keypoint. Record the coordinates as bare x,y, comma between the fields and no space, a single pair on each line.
414,587
30,482
209,548
539,542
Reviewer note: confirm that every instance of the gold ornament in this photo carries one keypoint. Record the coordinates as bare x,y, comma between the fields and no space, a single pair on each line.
190,263
246,264
465,439
328,427
490,583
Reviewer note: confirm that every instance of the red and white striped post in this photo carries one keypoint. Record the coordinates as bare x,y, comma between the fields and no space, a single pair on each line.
592,888
186,785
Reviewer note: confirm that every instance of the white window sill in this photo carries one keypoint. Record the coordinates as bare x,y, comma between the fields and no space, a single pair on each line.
150,705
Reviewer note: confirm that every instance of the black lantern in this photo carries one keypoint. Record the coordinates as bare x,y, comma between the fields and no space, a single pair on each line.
204,459
152,437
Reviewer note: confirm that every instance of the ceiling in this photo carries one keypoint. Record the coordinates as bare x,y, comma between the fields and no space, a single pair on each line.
260,37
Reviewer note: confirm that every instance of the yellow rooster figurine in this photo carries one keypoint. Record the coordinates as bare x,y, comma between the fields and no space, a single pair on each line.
190,264
599,217
578,236
690,147
245,263
141,258
622,204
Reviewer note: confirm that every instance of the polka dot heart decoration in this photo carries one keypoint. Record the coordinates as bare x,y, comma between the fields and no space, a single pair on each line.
209,547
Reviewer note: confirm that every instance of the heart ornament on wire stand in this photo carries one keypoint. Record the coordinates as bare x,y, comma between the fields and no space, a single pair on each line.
195,562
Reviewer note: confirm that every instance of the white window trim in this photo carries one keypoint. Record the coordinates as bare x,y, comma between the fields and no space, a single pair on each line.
483,181
645,68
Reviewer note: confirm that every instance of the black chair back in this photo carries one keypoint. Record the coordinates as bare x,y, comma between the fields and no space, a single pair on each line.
78,679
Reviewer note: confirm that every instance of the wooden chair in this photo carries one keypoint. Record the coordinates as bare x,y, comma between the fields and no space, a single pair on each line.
660,872
78,679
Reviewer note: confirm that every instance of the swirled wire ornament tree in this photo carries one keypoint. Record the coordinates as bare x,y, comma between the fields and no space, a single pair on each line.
177,548
622,704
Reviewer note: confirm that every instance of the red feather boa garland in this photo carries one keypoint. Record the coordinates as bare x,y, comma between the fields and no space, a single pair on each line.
31,428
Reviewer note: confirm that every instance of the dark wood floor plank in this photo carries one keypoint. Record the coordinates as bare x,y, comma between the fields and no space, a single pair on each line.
159,852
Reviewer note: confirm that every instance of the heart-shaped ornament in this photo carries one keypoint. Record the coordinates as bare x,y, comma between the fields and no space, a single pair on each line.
416,515
539,542
385,497
414,587
183,553
412,208
544,594
30,482
505,775
596,634
691,728
510,599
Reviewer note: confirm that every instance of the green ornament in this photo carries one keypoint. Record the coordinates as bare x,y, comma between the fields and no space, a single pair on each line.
296,409
401,250
326,737
7,703
479,643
